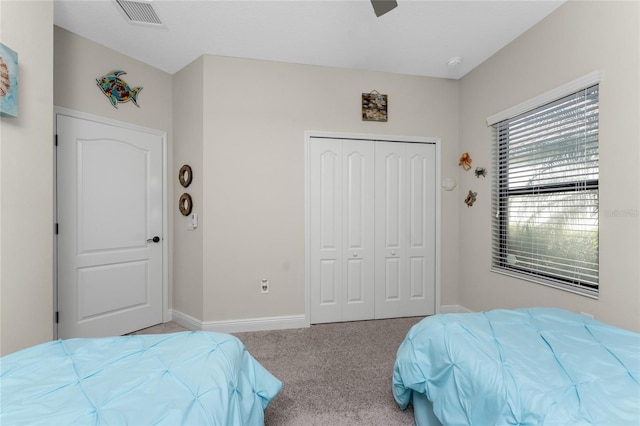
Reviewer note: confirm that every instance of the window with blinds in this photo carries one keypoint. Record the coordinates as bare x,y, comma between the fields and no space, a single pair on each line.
545,194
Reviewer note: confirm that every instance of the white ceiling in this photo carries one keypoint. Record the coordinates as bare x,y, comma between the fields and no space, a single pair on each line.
419,37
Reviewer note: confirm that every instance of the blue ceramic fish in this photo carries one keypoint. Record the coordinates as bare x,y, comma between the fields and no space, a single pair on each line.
117,90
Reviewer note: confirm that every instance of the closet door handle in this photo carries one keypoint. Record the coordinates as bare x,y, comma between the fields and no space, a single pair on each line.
393,253
355,254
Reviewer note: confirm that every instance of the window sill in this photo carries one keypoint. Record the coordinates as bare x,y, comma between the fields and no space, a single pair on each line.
592,294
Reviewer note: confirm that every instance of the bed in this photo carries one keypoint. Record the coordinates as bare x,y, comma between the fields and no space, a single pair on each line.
196,378
523,366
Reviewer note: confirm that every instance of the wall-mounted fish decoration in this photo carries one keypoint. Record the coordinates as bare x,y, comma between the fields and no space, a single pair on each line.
117,90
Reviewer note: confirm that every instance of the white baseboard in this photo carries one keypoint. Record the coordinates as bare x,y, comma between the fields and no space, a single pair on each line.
453,309
262,324
184,320
240,325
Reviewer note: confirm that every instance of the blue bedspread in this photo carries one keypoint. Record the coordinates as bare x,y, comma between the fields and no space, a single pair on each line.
191,378
523,366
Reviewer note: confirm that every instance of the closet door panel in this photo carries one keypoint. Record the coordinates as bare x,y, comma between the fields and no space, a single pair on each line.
421,230
329,282
341,179
355,200
358,230
390,214
391,169
325,168
355,281
392,280
417,201
405,227
417,273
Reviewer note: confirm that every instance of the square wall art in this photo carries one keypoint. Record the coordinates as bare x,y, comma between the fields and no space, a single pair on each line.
8,82
374,106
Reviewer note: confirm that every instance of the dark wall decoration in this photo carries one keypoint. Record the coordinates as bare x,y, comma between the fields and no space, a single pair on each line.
374,106
185,175
185,204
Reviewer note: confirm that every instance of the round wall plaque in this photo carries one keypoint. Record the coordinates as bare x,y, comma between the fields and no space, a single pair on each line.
185,205
185,175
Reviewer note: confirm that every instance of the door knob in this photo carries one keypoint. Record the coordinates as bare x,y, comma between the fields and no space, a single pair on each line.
355,254
154,239
393,253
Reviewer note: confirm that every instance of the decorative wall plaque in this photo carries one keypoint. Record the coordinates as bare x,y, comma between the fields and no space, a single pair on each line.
185,175
185,204
117,90
8,82
374,106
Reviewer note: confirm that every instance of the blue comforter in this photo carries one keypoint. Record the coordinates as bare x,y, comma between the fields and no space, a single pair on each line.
195,378
523,366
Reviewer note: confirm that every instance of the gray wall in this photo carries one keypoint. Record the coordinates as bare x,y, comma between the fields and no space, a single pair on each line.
26,181
252,206
578,38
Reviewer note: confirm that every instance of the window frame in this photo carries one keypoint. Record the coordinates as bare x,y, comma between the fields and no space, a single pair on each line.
501,192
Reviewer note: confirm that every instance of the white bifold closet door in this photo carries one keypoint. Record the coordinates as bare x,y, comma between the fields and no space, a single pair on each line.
405,229
372,229
342,230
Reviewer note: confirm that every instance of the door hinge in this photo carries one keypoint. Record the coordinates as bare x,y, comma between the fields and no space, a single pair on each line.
56,229
57,317
56,140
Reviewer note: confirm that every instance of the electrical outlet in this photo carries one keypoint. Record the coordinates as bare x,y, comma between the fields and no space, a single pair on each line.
264,286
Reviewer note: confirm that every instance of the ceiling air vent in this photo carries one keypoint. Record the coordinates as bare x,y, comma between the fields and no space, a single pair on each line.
139,12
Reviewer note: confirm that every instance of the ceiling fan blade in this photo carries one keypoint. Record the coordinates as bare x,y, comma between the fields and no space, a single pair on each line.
380,7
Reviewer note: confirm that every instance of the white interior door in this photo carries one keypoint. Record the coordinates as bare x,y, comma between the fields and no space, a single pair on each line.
109,211
341,230
405,229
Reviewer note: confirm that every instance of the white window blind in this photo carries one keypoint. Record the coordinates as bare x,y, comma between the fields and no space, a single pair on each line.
545,194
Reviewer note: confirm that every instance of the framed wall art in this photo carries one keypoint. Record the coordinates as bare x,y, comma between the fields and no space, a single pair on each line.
374,106
8,82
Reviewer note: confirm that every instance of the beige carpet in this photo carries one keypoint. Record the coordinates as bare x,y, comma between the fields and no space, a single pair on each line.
333,374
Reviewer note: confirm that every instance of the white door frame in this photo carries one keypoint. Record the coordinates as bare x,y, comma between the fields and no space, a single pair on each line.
308,135
166,315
